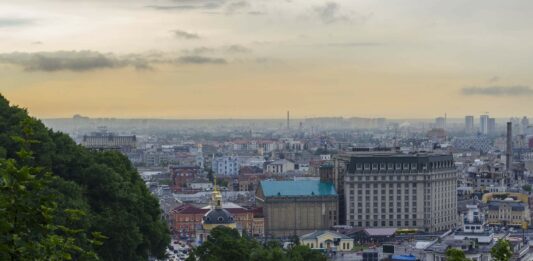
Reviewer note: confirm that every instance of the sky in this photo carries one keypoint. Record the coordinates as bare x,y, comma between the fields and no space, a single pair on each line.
259,58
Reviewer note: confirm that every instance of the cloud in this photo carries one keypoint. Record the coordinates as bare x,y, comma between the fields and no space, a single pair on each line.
233,7
190,5
186,35
12,22
196,59
330,13
237,49
354,44
497,91
199,50
227,49
77,61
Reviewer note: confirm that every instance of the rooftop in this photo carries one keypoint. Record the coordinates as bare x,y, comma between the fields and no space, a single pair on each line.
297,188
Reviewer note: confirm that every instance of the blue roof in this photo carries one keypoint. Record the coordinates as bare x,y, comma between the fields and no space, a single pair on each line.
297,188
404,258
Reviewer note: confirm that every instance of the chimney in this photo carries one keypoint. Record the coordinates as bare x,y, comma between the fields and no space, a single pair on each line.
509,149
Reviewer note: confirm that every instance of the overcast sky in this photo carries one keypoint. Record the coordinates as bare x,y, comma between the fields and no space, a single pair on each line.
259,58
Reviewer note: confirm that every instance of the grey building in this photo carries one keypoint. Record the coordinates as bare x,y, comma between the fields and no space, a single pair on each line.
385,188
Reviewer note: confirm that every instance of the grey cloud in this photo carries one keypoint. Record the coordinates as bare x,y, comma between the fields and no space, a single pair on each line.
236,6
199,50
12,22
190,5
77,61
237,49
186,35
256,13
330,13
229,49
516,90
354,44
195,59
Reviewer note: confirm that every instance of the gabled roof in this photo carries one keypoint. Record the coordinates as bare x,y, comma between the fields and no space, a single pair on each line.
294,188
318,233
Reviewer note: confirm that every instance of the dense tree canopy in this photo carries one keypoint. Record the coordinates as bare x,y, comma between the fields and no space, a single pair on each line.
226,244
59,194
502,251
454,254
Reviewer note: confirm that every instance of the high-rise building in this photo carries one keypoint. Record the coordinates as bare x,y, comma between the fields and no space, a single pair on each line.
525,124
491,126
440,123
385,188
483,124
469,124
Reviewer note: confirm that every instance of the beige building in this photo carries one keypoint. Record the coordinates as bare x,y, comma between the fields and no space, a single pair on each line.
507,209
297,207
328,240
280,166
385,188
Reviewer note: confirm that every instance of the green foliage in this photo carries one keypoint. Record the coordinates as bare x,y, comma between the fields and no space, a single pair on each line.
454,254
29,214
501,251
527,187
76,202
225,244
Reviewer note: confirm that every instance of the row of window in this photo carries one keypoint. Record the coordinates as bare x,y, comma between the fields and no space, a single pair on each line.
403,166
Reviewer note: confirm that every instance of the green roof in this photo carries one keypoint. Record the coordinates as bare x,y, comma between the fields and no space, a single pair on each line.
292,188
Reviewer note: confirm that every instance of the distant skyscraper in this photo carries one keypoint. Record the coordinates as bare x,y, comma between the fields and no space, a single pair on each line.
469,124
440,123
525,124
483,124
491,126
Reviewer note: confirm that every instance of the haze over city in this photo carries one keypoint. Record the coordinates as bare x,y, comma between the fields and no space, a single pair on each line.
256,59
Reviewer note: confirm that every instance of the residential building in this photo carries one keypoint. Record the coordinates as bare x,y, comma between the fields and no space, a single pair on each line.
226,166
279,166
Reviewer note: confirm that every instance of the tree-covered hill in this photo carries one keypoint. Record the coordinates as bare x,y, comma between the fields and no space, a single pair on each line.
56,194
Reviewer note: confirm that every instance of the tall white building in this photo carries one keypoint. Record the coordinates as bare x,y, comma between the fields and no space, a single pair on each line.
484,124
227,166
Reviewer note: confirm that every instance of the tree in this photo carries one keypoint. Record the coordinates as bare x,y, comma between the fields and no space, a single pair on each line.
226,244
501,251
454,254
527,187
32,226
89,192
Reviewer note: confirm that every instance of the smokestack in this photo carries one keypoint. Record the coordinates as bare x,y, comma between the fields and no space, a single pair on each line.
509,149
288,118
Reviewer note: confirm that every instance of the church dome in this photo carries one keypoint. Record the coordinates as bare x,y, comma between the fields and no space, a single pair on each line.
218,216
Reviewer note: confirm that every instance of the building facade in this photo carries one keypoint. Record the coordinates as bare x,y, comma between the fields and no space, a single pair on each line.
297,207
226,166
391,189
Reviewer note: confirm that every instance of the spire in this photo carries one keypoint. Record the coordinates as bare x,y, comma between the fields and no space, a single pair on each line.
216,197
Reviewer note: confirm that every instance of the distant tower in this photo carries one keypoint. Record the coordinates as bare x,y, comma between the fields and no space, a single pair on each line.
509,149
288,120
